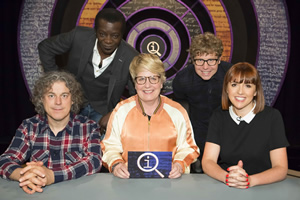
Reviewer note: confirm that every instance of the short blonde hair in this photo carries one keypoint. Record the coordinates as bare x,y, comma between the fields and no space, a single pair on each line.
149,62
206,43
243,72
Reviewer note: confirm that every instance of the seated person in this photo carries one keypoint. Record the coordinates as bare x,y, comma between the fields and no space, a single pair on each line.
148,121
246,142
59,144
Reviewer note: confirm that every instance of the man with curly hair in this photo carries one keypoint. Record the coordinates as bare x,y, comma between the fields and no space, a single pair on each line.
198,87
56,144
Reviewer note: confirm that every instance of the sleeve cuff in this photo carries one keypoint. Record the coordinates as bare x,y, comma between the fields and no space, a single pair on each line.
115,162
181,164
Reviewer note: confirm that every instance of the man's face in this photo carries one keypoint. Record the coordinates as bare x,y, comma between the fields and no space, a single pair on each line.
208,65
57,103
109,37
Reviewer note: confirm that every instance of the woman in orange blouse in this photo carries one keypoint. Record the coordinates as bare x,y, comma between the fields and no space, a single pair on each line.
148,121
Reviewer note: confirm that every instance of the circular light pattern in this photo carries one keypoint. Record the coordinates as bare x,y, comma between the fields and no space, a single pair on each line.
165,25
165,28
171,37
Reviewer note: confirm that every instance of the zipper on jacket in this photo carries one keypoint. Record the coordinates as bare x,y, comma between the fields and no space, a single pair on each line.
148,135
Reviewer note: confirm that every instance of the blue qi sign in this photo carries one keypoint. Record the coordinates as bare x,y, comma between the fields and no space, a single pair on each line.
149,164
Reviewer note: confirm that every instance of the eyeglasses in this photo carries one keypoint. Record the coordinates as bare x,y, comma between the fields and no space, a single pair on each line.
141,80
210,62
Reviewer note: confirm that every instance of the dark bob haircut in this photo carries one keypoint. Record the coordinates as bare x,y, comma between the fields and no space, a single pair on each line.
243,72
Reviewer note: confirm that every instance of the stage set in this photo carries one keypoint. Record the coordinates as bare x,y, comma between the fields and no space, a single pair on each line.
263,33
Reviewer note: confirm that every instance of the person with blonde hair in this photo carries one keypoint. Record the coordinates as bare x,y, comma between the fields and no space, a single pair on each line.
198,87
246,142
148,121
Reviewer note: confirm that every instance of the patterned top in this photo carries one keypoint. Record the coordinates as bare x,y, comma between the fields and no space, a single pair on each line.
73,152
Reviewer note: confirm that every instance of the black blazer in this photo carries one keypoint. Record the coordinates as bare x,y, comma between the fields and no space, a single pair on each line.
79,43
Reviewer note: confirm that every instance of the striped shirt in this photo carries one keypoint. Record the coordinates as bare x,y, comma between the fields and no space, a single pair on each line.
74,152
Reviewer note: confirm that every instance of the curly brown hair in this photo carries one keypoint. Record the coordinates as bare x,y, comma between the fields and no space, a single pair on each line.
44,84
206,43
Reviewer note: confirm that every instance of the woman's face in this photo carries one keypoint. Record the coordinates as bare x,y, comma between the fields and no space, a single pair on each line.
241,96
148,92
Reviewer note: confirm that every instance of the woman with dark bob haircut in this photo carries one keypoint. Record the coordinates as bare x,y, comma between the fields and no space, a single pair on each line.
246,142
43,85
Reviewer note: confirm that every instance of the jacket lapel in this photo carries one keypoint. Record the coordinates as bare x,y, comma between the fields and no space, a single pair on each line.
87,50
117,63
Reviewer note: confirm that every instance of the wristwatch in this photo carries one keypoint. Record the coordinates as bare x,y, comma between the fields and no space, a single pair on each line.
113,167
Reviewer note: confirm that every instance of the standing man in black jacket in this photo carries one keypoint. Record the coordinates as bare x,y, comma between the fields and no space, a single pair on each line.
99,58
198,87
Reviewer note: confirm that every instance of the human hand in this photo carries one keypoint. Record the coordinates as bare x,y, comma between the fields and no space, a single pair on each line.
35,176
103,123
121,171
237,176
31,184
176,170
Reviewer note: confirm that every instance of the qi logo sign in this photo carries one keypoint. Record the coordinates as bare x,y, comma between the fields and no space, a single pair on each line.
146,158
153,48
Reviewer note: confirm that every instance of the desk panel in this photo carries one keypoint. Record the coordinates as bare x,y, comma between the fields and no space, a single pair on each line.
190,186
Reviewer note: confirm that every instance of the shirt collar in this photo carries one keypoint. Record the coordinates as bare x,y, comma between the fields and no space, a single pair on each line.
141,105
45,124
69,126
218,74
43,121
111,57
95,47
247,118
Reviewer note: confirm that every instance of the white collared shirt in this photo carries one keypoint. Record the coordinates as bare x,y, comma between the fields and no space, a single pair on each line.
247,118
97,59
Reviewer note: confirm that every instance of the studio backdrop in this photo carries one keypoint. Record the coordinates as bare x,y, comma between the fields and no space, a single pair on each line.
254,31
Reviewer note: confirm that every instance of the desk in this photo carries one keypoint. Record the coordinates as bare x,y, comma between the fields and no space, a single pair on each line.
190,186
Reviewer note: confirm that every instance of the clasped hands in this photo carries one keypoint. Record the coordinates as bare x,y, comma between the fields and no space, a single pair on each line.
35,176
237,177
